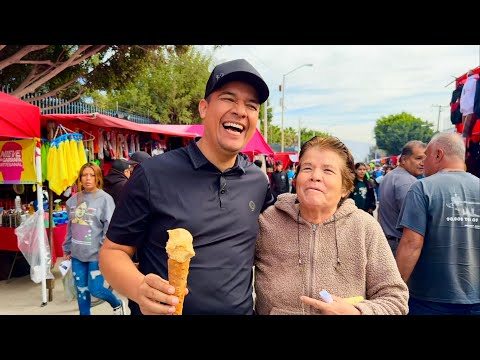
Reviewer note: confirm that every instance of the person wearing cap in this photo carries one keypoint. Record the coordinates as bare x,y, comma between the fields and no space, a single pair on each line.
279,180
207,188
137,158
116,178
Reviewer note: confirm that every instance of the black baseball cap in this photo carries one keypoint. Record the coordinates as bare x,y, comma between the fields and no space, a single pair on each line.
120,164
138,157
237,70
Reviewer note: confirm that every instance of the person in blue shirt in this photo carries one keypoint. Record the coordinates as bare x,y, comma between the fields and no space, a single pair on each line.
439,253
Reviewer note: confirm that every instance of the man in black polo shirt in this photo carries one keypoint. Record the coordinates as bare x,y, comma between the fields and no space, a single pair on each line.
207,188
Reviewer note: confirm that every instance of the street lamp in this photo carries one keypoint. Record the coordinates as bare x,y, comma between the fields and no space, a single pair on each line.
283,100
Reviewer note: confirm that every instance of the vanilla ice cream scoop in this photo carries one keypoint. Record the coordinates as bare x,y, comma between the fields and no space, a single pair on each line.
180,245
180,251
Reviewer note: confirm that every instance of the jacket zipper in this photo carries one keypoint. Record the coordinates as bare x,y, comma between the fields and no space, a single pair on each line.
312,255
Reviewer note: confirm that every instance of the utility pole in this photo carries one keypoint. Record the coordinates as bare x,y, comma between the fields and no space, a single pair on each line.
282,89
439,111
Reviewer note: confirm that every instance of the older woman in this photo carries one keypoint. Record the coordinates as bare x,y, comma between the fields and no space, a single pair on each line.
319,240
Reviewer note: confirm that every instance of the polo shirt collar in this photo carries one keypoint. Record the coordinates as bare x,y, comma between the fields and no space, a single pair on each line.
198,159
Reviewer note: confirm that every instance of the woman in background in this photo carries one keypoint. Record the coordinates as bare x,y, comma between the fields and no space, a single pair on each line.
89,212
363,193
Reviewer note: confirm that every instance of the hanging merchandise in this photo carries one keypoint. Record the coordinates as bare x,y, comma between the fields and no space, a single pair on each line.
65,158
137,143
44,155
132,144
114,145
101,144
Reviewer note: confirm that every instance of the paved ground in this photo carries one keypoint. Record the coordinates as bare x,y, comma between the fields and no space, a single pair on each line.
21,296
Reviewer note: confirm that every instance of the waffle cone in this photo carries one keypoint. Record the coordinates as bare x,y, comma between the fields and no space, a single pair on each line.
177,277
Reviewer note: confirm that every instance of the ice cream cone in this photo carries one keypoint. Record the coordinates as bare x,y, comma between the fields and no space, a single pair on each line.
177,277
179,248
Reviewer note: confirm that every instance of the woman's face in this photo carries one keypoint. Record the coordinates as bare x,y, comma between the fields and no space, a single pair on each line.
89,180
361,171
319,182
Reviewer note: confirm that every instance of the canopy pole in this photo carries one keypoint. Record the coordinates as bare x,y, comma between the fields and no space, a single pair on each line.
41,222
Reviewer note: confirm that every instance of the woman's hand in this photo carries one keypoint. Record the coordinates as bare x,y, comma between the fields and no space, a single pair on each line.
337,307
67,257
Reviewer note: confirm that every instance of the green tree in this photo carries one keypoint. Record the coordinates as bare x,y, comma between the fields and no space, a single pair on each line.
168,88
307,134
394,131
68,71
291,137
274,134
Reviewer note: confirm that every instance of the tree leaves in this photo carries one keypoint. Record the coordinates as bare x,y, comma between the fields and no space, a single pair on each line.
394,131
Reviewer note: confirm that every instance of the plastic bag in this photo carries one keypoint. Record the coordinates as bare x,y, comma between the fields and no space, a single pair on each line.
29,244
69,286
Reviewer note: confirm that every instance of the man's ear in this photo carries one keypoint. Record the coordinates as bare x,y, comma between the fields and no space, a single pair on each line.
202,108
439,155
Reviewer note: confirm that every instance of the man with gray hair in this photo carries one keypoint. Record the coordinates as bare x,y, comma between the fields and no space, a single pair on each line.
439,254
395,185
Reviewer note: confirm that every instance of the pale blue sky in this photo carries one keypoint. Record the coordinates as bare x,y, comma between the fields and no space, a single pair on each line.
349,87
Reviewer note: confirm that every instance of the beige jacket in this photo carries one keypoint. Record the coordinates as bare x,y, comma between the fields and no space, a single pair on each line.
348,255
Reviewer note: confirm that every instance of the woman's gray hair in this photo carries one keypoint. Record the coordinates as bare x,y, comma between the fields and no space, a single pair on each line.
452,144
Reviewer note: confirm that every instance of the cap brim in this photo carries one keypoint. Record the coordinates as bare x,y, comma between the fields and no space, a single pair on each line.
252,79
131,162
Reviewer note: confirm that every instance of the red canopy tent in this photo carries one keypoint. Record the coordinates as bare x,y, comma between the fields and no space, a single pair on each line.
112,122
287,158
18,119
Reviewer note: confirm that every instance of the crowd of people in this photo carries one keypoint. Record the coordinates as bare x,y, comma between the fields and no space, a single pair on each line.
289,238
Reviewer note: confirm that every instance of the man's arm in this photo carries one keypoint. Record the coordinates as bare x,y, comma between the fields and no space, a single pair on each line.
150,292
408,252
117,267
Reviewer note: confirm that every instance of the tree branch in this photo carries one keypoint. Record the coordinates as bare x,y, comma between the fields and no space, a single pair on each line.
54,91
30,78
75,59
15,58
36,62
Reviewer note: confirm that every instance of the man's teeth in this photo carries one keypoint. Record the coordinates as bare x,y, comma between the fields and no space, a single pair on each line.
236,126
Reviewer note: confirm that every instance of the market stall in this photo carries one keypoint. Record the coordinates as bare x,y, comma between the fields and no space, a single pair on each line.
20,162
459,119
